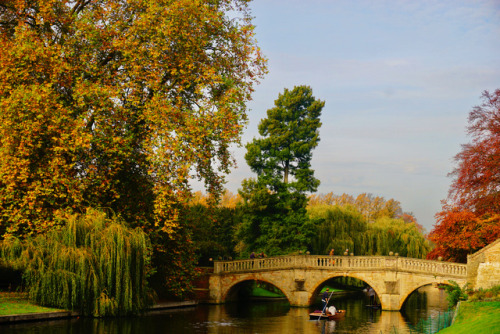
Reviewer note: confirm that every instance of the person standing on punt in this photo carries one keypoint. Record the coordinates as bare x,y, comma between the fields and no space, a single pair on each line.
324,299
371,294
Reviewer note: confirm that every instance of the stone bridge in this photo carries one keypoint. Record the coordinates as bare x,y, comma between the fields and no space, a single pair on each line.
301,277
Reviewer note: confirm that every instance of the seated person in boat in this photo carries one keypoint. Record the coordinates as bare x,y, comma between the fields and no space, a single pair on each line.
331,310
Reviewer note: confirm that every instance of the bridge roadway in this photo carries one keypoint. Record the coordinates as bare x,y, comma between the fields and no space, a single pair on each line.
300,277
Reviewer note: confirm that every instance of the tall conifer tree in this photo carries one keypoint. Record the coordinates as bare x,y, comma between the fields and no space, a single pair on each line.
275,202
289,134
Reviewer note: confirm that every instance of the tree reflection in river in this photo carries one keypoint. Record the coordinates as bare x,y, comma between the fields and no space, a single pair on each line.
245,317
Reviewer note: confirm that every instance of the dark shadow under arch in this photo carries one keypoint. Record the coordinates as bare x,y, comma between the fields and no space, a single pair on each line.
408,298
240,291
316,294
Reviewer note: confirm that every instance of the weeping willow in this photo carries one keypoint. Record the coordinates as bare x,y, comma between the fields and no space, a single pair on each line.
387,235
92,264
343,227
337,227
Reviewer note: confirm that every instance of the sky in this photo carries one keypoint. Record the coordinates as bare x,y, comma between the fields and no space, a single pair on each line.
398,78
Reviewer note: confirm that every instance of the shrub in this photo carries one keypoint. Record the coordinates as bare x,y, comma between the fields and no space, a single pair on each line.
491,294
456,293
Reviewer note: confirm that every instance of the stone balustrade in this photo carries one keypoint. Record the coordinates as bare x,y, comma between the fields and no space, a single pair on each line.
343,263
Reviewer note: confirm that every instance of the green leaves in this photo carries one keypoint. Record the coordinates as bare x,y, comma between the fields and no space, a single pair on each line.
275,219
456,293
343,226
290,133
92,264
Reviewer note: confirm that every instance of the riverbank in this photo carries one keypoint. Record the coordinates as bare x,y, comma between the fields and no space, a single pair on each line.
18,303
475,317
15,307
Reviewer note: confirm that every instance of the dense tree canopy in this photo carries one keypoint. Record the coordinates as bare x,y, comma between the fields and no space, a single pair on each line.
273,222
470,219
337,227
213,230
460,232
117,104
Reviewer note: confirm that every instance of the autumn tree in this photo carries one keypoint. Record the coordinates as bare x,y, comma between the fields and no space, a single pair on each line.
476,184
469,219
118,104
275,202
460,232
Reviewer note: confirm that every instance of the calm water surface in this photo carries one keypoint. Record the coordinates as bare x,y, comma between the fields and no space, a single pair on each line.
262,317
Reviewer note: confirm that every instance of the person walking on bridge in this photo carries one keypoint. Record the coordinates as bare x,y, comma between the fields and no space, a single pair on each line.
332,251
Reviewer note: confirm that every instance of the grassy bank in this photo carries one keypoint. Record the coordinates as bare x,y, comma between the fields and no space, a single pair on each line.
261,292
476,317
17,303
330,289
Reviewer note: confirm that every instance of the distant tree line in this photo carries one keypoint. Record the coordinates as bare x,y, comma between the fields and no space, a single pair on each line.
216,229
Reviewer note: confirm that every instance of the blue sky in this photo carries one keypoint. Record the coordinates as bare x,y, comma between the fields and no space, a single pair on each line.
399,79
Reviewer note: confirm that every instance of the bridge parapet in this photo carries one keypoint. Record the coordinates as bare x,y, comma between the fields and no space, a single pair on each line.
433,267
359,263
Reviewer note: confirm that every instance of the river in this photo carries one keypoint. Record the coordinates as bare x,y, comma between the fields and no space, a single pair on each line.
253,317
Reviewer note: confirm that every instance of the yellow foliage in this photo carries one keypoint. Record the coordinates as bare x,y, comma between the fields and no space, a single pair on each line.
118,104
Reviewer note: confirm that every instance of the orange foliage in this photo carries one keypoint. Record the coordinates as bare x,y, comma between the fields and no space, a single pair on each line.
477,178
461,232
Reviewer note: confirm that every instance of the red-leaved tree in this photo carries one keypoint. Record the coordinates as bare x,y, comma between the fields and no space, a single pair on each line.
470,219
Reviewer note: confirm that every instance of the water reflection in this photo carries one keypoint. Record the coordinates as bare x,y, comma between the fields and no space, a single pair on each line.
244,317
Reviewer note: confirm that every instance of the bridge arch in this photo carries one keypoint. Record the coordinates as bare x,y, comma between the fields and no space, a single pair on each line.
228,293
416,286
377,287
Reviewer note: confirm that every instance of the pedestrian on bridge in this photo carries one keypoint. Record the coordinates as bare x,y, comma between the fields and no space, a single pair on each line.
332,251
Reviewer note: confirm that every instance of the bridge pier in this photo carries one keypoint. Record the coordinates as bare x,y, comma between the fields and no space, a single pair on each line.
299,299
390,302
